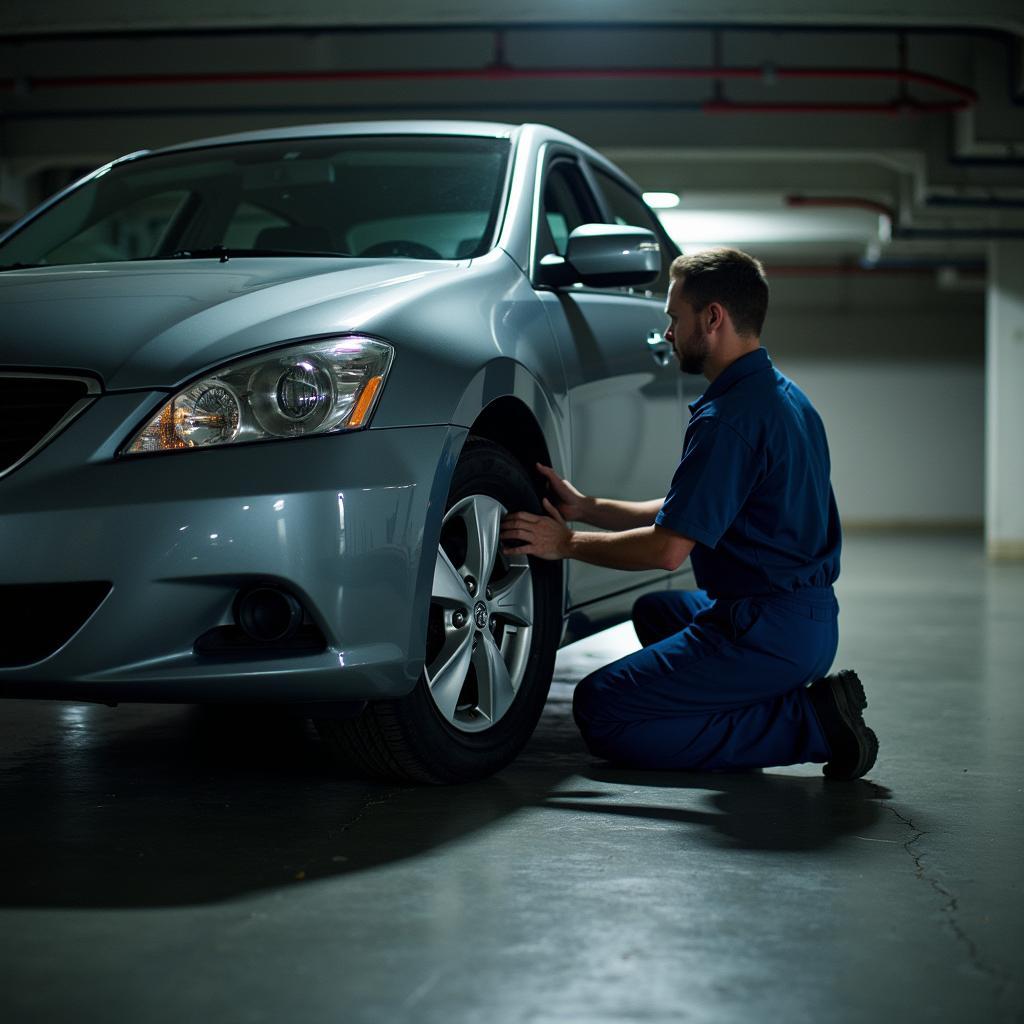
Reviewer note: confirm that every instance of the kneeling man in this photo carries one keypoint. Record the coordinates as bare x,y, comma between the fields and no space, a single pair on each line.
722,681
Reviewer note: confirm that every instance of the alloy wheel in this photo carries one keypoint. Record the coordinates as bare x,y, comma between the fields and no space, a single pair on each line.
481,618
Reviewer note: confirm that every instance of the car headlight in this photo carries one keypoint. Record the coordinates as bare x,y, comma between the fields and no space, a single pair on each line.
312,388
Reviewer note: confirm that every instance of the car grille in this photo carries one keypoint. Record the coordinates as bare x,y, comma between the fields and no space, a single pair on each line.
39,618
31,407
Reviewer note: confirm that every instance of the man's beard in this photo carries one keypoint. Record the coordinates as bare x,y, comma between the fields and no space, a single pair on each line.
694,352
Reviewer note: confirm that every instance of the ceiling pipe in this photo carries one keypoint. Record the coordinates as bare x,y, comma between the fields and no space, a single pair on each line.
958,234
1009,40
907,233
897,108
1015,92
844,202
975,202
964,97
922,268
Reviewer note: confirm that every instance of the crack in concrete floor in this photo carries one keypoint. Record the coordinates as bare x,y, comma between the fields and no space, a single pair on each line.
950,908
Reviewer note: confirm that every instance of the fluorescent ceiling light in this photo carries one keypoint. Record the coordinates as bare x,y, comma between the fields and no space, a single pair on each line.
661,200
746,227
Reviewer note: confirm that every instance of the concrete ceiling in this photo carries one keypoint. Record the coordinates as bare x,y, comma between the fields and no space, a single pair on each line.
857,132
68,15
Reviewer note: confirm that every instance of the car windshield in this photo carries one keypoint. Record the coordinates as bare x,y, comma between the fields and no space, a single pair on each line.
414,196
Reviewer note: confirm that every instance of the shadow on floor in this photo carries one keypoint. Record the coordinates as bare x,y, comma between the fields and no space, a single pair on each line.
149,807
757,811
754,812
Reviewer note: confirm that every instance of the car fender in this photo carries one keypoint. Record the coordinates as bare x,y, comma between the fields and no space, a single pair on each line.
506,378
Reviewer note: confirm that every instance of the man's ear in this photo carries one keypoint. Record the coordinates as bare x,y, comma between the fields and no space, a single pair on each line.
715,312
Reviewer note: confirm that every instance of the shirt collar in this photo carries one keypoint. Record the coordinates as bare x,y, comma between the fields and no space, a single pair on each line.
752,362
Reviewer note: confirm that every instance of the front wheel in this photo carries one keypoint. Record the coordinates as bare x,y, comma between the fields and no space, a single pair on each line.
492,631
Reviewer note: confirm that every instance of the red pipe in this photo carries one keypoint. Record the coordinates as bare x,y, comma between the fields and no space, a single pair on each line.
964,96
851,202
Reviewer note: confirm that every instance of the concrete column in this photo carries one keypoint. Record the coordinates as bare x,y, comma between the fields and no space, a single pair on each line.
1004,402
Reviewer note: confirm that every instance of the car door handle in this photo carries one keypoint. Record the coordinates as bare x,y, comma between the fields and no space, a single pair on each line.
660,349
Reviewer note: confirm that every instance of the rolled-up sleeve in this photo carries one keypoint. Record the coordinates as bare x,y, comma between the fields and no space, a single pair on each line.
714,478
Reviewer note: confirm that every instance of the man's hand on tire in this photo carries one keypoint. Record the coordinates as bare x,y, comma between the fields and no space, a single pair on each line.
542,536
571,503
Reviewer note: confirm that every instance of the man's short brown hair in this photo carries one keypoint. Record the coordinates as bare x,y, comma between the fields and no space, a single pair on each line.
729,277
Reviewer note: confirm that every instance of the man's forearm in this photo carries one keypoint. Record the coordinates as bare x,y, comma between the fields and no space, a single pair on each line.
612,514
647,547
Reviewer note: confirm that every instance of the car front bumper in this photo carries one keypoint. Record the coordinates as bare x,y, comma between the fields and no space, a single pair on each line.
346,523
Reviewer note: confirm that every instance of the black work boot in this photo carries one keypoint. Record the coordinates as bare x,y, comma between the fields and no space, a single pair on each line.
838,701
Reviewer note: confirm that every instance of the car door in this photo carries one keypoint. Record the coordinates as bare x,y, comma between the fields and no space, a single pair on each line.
624,399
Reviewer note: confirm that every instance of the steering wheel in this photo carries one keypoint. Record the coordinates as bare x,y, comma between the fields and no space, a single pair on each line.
402,247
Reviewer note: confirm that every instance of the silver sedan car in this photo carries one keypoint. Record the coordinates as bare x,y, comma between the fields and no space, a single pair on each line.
266,398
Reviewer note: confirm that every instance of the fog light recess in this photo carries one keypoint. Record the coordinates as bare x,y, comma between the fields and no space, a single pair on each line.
268,614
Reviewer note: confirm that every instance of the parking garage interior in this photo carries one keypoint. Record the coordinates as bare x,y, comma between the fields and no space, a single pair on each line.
170,862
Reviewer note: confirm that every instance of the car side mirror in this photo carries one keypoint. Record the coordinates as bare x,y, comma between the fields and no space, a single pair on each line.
604,256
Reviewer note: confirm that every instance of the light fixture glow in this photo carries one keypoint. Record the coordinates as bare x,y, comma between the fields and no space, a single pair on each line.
661,200
741,228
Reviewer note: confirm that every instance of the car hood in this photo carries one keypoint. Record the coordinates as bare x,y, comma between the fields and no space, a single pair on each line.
154,324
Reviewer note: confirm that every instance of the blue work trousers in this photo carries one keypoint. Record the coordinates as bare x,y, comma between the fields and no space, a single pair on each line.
719,685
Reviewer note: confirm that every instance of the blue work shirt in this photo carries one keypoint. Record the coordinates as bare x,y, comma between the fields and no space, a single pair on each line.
752,488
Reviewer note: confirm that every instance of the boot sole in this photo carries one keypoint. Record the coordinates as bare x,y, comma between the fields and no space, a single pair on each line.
848,692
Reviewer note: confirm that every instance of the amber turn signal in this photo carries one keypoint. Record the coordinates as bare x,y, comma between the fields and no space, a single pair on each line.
365,401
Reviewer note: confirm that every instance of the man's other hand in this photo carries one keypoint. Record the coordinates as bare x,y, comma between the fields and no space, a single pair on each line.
542,536
572,504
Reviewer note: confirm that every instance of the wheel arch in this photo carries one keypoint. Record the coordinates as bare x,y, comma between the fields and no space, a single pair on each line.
508,421
507,404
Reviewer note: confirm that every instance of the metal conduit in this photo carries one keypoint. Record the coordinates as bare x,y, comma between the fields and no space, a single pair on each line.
858,203
846,202
964,97
924,268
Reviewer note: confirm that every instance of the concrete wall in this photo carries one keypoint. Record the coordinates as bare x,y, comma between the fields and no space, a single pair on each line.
896,367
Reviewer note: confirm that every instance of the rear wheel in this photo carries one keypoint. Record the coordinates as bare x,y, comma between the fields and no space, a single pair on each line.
492,631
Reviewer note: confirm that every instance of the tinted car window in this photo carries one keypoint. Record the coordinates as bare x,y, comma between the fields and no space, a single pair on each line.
124,233
628,208
246,224
566,205
417,196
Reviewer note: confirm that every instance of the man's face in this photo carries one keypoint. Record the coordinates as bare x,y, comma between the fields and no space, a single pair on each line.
685,332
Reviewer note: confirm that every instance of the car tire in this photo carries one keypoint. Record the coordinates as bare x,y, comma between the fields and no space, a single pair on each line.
490,645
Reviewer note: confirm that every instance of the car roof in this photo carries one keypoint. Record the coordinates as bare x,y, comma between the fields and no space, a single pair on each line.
485,129
533,134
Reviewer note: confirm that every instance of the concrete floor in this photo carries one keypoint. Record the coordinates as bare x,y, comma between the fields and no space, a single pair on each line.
167,864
